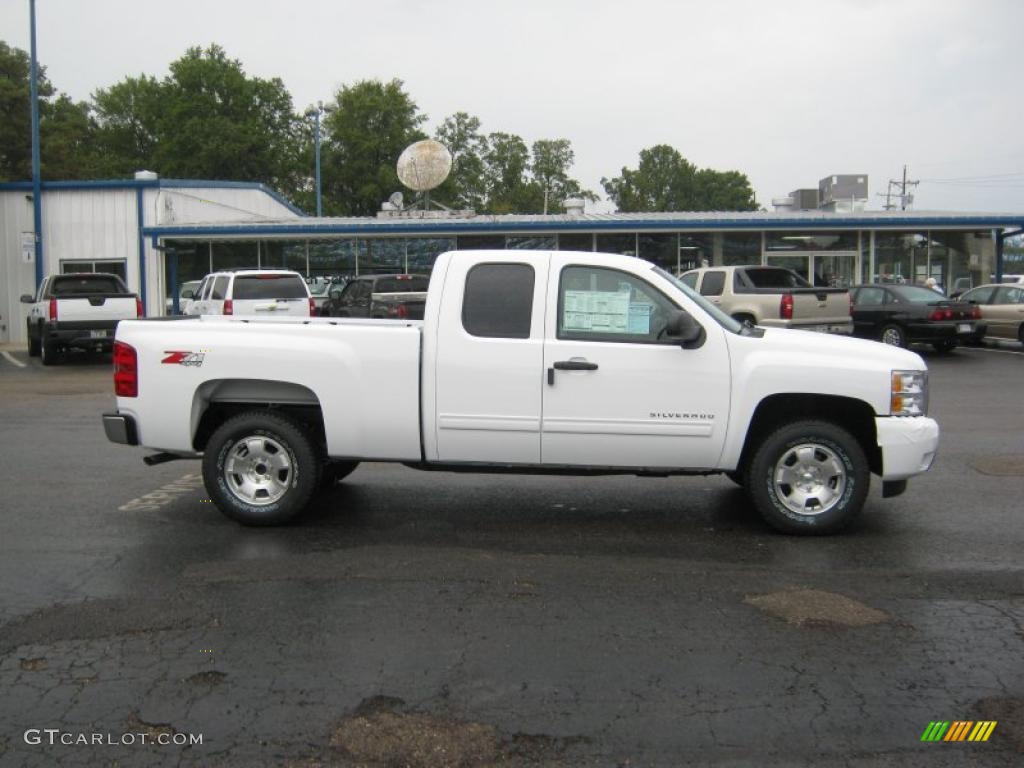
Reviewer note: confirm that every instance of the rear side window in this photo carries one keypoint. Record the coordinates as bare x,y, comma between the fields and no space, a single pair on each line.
773,277
414,284
870,297
269,287
498,302
84,285
712,284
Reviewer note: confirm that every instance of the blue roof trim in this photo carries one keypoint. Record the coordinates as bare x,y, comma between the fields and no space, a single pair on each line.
624,225
26,186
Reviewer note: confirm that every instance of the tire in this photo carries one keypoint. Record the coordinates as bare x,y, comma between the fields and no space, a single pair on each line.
48,354
837,478
1020,333
239,468
894,335
333,472
944,346
33,343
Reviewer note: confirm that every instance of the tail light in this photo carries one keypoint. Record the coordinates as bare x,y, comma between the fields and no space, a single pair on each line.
786,306
975,312
229,307
126,370
312,307
941,314
139,312
53,309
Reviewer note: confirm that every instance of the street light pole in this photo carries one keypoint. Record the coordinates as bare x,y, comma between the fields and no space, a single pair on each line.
37,187
315,113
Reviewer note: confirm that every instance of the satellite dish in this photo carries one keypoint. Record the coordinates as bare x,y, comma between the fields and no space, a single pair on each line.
424,165
397,200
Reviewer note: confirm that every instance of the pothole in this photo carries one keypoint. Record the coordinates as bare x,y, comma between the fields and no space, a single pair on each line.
211,677
999,466
813,606
381,731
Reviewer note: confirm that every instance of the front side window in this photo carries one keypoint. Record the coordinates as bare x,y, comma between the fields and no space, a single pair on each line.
498,302
1007,296
597,304
220,288
690,279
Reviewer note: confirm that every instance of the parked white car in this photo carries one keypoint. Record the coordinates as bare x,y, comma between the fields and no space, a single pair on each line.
259,292
530,362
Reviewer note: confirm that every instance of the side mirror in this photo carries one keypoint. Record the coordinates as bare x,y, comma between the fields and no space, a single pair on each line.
27,299
682,329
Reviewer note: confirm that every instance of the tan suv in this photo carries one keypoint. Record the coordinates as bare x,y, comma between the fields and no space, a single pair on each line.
773,297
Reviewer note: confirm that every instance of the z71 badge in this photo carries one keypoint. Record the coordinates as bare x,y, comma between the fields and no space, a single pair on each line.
183,358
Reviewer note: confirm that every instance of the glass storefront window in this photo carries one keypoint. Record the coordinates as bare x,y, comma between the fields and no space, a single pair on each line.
576,242
333,258
694,251
382,256
739,248
481,242
617,243
811,241
421,252
898,256
539,243
235,254
660,249
283,254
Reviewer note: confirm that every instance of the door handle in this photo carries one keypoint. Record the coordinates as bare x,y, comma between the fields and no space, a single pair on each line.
569,365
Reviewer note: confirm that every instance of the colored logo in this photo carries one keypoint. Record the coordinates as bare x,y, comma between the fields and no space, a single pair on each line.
183,358
958,730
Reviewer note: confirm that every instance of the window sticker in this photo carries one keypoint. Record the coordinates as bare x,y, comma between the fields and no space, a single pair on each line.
640,318
596,311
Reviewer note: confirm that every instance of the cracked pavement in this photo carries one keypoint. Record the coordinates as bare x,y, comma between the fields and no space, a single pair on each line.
432,619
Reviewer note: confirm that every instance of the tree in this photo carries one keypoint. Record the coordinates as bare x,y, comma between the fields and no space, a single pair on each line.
665,181
65,128
466,186
552,159
367,127
507,161
207,119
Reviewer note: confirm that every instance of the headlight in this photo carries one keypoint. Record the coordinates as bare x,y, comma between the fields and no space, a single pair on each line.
909,393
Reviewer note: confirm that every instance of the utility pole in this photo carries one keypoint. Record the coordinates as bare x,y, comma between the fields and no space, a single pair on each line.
905,199
37,189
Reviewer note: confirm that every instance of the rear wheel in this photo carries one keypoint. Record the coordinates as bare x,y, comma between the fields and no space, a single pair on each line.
894,335
48,353
260,468
33,342
809,478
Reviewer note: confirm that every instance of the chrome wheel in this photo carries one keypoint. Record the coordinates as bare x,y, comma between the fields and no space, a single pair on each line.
258,470
809,479
892,335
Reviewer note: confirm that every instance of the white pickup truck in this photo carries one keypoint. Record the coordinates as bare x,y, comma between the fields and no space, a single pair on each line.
531,362
79,310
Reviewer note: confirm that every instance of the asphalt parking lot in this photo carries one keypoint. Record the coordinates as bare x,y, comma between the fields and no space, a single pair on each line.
430,619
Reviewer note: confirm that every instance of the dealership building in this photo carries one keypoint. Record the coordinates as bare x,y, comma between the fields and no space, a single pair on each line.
159,233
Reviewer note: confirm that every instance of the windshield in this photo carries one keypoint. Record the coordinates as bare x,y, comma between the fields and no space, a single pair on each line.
717,315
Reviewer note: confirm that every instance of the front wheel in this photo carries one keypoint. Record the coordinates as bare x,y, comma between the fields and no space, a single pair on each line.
894,335
260,468
809,478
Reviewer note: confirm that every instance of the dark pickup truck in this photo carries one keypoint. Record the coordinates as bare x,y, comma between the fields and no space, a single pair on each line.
398,297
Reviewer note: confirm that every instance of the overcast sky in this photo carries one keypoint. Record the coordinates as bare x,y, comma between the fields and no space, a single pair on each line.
786,91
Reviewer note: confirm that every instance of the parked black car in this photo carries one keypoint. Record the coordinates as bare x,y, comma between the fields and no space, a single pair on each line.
909,314
385,296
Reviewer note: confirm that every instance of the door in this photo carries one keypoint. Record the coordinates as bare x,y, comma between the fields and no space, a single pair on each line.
616,393
869,313
355,299
490,359
1006,313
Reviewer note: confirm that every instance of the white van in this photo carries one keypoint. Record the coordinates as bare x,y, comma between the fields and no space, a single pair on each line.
260,292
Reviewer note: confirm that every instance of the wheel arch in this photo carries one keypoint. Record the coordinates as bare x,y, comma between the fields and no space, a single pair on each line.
855,416
217,400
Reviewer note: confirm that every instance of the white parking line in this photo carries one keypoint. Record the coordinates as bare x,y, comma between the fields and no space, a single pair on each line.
164,495
12,359
992,349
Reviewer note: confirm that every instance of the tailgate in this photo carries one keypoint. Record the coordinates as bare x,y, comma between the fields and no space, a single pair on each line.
821,305
97,309
272,307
